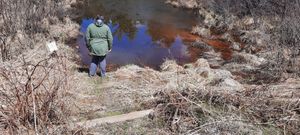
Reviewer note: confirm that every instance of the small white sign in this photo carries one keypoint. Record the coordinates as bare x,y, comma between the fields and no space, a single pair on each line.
52,47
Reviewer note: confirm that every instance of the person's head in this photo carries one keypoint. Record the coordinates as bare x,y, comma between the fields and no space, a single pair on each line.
99,20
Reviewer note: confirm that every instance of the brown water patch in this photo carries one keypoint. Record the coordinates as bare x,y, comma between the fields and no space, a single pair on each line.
218,44
169,33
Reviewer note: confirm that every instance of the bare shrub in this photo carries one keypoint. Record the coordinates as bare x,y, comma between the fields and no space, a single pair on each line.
32,95
285,39
23,16
288,46
212,112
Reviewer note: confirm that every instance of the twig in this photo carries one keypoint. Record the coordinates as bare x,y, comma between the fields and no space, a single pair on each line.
34,108
199,105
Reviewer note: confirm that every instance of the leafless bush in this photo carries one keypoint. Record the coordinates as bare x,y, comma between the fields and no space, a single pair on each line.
32,95
211,112
285,40
288,46
23,16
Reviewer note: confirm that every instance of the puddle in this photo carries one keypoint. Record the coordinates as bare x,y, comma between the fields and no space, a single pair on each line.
146,32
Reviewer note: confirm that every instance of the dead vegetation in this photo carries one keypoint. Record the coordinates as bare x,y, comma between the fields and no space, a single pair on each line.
22,24
210,107
196,99
203,111
33,94
266,28
193,99
33,83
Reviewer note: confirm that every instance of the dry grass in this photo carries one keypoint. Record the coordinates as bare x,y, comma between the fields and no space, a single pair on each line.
23,23
200,100
197,100
33,83
194,99
206,107
33,93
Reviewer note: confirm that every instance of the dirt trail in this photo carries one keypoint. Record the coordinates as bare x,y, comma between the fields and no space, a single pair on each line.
92,98
108,100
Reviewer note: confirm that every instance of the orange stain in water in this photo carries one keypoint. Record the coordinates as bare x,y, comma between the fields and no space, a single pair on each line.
187,36
218,45
168,34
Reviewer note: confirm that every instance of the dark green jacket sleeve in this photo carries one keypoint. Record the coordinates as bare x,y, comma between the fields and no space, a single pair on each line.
88,38
109,39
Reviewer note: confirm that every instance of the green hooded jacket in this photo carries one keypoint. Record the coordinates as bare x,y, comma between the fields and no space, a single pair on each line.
99,39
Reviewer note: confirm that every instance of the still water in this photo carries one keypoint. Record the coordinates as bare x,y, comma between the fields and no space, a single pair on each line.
146,32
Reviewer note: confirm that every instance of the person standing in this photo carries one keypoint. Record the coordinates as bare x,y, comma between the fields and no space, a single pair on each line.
99,43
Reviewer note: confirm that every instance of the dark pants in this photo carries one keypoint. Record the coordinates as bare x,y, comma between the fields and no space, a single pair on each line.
98,61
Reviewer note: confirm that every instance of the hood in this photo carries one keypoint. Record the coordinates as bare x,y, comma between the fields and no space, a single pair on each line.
99,23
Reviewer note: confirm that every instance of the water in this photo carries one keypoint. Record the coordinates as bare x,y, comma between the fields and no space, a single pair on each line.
146,32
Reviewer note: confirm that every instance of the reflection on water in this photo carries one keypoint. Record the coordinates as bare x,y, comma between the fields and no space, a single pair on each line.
144,49
146,32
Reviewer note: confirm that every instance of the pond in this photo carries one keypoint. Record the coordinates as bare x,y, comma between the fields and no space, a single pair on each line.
146,32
